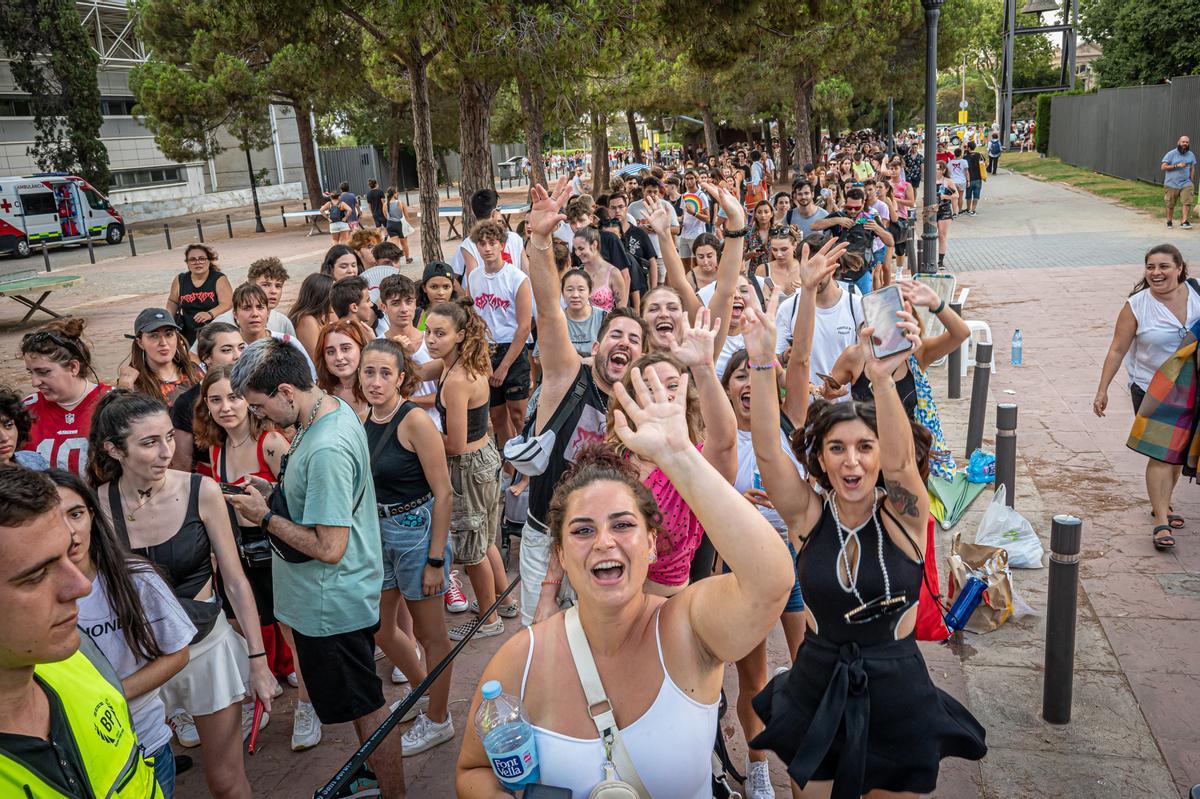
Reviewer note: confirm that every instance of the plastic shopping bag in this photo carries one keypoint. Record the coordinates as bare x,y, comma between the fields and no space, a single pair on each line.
1003,527
981,468
989,564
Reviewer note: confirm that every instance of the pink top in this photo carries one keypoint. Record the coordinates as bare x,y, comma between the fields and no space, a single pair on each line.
680,534
603,296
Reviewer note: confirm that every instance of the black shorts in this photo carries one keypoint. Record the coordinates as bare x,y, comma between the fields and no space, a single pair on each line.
259,578
1137,395
379,219
516,382
395,230
339,671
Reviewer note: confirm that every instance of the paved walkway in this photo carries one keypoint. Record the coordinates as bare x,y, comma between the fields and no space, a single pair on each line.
1137,681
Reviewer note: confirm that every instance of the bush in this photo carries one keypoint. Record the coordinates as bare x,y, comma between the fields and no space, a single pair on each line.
1041,134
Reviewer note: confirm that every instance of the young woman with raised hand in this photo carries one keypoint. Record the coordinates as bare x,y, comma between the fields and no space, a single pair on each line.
611,289
64,397
132,617
340,349
861,563
179,522
160,365
311,312
412,489
200,294
660,660
712,429
457,339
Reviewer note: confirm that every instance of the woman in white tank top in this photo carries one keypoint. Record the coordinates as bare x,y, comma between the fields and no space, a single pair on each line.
1152,325
661,661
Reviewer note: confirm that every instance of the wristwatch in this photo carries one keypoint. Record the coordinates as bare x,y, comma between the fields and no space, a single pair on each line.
436,563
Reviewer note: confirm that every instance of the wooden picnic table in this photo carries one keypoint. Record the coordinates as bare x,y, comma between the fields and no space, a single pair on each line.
17,289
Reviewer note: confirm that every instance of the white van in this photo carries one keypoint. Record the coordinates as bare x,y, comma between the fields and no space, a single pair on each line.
55,209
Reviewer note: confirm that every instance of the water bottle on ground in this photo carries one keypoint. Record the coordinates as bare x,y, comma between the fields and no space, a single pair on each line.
965,603
507,737
1016,347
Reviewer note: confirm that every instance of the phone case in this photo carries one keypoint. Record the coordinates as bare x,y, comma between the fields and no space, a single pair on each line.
880,309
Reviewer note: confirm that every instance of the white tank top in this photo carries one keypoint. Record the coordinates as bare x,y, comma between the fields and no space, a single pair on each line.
1159,335
496,299
748,475
671,744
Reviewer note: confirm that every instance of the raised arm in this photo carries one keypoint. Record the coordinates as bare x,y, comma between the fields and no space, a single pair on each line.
791,495
726,615
921,295
814,270
730,265
560,361
660,220
694,347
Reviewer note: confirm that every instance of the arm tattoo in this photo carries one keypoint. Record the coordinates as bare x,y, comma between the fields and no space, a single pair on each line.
902,499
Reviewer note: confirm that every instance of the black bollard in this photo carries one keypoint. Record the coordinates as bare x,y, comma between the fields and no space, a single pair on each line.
954,363
132,246
167,233
979,396
200,231
229,225
1006,450
1066,537
91,248
281,216
46,256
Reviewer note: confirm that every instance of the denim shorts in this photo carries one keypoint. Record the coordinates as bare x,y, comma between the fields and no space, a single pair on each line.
973,189
164,770
405,539
795,602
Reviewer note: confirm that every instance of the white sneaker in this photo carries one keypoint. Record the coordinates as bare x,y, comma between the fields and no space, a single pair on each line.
378,653
248,720
758,780
420,706
293,680
782,670
398,677
185,729
456,600
306,727
426,734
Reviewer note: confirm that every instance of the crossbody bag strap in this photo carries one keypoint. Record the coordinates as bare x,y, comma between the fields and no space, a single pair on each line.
593,690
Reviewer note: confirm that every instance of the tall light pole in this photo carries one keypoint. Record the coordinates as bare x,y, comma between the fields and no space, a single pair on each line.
933,9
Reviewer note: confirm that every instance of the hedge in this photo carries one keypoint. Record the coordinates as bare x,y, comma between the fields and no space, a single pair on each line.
1041,134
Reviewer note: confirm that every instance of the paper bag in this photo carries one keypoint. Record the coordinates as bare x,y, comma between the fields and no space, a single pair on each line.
989,564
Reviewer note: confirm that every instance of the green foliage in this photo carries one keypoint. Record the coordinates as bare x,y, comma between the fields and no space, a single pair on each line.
53,61
1142,42
1041,134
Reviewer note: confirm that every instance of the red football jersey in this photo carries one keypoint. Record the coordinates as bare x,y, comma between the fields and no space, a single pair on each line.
61,436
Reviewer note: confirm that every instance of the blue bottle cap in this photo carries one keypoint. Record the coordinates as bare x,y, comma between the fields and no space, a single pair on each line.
491,689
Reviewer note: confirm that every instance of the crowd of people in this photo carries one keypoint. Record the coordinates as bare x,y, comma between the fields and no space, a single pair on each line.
668,391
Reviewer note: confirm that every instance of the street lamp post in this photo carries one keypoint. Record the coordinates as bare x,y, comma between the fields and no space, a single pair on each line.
933,9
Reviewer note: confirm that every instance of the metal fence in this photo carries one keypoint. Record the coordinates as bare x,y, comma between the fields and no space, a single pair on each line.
355,165
1125,132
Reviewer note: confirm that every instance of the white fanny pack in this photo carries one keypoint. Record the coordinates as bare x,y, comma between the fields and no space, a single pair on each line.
530,454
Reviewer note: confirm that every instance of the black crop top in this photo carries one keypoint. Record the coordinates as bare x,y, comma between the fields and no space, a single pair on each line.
399,477
477,418
185,556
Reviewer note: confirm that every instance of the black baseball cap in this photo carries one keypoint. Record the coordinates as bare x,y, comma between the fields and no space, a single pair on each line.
149,319
437,269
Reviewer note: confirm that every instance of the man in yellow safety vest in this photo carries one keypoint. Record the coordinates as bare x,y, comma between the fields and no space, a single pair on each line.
65,730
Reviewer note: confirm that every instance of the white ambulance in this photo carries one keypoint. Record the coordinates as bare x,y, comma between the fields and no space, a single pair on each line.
55,209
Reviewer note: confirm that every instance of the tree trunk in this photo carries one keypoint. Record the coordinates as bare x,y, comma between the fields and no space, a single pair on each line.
418,81
599,153
531,108
475,98
397,178
802,110
814,124
308,156
711,145
635,141
768,151
785,155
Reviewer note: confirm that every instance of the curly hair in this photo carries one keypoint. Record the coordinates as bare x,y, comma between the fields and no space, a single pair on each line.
474,353
208,251
351,330
13,409
808,441
596,462
695,422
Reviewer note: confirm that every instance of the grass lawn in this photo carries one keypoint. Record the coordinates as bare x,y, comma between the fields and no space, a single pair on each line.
1133,193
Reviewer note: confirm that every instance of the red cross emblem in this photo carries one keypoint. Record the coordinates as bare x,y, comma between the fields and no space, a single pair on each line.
6,205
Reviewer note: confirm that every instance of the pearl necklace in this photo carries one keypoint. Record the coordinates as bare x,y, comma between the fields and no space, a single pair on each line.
844,558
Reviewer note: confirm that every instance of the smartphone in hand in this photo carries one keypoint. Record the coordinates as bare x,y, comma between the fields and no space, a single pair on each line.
881,309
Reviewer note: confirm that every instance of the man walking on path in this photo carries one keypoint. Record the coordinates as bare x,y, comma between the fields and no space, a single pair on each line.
1180,182
993,152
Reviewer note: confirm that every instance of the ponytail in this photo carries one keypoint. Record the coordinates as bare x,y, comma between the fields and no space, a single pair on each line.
114,415
474,353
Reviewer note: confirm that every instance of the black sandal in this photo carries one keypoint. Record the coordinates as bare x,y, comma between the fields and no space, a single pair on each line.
1176,521
1163,543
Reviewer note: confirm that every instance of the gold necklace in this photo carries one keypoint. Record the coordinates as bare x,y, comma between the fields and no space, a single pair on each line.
148,494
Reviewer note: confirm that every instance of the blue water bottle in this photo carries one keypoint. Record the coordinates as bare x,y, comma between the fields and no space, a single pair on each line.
1016,347
507,737
965,603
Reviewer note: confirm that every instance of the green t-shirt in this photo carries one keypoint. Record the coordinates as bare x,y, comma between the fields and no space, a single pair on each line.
326,476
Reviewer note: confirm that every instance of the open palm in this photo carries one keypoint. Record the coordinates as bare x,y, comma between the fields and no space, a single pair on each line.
758,330
818,267
650,423
695,345
545,214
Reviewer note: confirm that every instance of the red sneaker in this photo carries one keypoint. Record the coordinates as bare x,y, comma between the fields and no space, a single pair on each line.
456,601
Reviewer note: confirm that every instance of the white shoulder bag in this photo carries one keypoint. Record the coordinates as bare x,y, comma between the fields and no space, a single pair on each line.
621,780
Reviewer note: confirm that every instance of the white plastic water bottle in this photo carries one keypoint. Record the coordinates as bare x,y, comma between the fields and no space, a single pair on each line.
1016,347
507,737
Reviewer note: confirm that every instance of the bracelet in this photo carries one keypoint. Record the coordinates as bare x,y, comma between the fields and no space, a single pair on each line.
547,248
266,519
551,582
737,234
760,367
940,308
259,655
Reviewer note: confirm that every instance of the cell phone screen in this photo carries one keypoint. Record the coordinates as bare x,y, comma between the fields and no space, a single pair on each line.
880,309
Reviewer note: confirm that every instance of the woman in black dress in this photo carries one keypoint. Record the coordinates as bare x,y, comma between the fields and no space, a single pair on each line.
857,712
